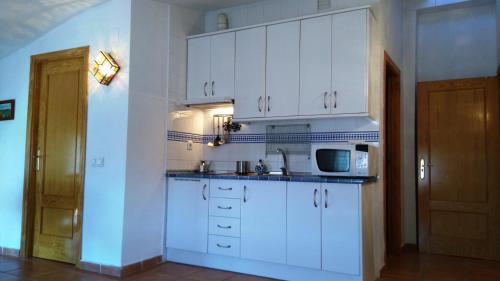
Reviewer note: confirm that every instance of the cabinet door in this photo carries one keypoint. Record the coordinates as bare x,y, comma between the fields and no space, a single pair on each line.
222,65
263,221
250,74
282,73
315,66
350,62
187,214
304,224
341,228
198,68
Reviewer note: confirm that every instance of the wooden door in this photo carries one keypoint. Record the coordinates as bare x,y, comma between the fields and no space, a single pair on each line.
283,69
187,214
59,159
315,66
350,62
341,231
222,65
198,78
458,160
263,221
250,73
303,224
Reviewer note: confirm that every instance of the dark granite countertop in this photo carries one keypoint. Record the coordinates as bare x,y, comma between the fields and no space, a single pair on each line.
295,177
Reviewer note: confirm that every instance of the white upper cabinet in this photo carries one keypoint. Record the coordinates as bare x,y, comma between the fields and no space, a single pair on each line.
263,221
187,214
198,68
222,65
211,67
250,73
350,62
303,226
316,66
283,71
341,228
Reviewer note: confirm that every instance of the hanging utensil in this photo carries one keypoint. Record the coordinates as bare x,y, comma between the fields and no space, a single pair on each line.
212,143
217,139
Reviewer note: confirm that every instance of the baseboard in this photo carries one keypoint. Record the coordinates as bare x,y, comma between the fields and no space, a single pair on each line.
123,271
9,252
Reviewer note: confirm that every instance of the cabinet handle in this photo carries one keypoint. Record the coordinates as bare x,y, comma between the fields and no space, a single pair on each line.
335,100
315,198
224,227
213,86
187,180
223,246
224,208
259,104
268,103
205,89
203,192
324,100
225,189
326,198
244,194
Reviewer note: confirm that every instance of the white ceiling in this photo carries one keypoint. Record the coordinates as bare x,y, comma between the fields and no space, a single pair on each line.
22,21
208,4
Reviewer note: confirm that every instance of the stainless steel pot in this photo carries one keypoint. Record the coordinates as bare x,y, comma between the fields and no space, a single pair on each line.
242,167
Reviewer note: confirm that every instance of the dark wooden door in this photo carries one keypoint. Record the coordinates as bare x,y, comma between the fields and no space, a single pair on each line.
59,159
459,170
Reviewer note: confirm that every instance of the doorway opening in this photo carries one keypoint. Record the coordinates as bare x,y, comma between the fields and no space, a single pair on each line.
55,156
392,147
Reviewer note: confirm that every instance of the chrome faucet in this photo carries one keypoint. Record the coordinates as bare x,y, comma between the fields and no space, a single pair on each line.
284,169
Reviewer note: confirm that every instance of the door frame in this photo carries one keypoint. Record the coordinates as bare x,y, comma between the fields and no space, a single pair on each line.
29,193
392,196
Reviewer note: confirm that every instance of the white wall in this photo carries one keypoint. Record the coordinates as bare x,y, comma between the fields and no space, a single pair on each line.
105,27
457,43
145,180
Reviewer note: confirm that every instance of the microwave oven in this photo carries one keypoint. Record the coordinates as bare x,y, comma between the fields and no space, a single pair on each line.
344,160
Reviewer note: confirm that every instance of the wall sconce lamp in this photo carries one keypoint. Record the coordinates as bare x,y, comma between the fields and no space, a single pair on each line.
104,68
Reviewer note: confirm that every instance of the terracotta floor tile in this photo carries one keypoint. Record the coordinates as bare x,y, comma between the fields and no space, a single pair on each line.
211,275
176,269
7,277
241,277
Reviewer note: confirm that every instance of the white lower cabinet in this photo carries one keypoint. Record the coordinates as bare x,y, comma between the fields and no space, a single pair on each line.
263,221
323,227
187,214
303,226
341,228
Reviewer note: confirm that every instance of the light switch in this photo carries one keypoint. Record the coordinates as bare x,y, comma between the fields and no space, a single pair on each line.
98,162
189,145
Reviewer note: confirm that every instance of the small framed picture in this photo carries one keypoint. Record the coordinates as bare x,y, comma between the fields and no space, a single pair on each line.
7,110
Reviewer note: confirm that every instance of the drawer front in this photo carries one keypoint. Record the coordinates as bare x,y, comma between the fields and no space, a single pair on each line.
224,226
225,188
226,246
222,207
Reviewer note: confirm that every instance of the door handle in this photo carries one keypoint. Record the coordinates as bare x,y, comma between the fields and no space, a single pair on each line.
326,198
205,89
324,100
422,168
75,217
213,86
315,198
37,157
244,194
268,103
335,99
203,192
259,103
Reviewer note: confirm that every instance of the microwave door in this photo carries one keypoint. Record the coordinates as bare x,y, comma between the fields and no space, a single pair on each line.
334,161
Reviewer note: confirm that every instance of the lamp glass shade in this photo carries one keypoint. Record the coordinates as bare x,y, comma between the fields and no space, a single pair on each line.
104,68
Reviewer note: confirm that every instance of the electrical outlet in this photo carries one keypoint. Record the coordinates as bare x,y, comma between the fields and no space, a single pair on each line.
189,145
98,162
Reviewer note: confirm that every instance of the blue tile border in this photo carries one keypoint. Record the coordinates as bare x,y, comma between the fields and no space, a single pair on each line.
298,178
317,137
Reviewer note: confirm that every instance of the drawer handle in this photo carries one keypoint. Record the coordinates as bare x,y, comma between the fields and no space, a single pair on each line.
223,246
224,227
176,179
225,189
224,208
